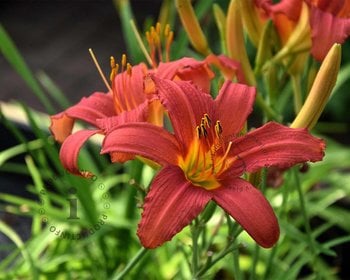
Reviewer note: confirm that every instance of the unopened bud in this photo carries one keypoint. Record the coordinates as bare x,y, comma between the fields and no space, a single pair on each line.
192,27
320,90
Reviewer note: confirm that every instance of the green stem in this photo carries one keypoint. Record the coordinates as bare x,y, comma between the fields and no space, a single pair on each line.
304,212
269,263
195,234
140,254
255,261
236,268
298,102
232,247
270,113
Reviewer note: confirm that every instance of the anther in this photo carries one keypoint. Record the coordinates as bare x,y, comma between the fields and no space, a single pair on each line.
208,120
114,69
167,30
123,62
129,69
204,132
218,129
199,132
158,27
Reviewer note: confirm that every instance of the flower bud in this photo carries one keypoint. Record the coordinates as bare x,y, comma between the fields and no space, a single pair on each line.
192,27
235,41
320,90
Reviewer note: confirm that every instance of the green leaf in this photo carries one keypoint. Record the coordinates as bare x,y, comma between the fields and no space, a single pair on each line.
9,50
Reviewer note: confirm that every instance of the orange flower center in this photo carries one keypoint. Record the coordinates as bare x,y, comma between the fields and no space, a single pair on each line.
207,157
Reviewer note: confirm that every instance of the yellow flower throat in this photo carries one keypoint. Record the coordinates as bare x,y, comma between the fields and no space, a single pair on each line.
207,156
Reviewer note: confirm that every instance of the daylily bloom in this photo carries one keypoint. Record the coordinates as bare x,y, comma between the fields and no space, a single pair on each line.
329,22
204,157
129,100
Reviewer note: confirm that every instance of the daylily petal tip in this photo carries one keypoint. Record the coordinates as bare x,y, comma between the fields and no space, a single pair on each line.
272,239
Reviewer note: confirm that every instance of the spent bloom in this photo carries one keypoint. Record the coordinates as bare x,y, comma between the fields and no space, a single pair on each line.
204,156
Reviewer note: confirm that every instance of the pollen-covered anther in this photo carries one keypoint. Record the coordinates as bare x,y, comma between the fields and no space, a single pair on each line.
123,62
218,129
159,41
129,69
114,69
204,132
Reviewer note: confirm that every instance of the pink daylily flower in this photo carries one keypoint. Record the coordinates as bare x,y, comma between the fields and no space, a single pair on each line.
204,158
130,101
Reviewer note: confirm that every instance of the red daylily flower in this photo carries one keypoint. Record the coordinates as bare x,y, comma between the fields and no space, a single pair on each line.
130,100
329,21
205,156
330,24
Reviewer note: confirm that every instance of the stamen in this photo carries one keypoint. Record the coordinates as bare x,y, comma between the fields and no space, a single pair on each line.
129,69
204,132
218,129
123,62
114,69
99,70
227,150
158,27
223,159
199,132
169,41
167,30
207,119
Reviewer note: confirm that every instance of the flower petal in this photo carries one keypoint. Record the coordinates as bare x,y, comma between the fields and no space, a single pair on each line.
250,209
89,109
291,8
171,204
327,29
229,68
187,69
274,145
128,90
70,151
186,105
143,139
139,114
234,104
61,126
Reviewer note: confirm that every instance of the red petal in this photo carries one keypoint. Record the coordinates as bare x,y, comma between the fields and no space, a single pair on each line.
187,69
139,114
327,29
70,151
250,209
171,204
333,7
228,67
186,105
89,109
274,145
121,157
234,104
128,88
143,139
291,8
